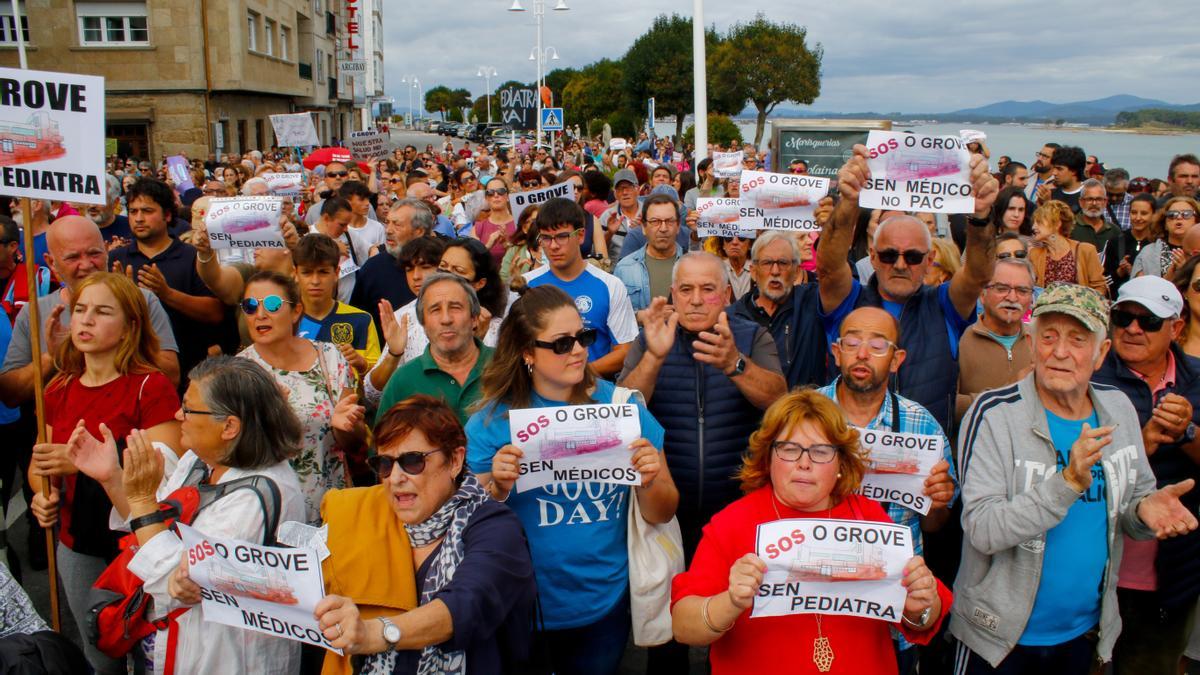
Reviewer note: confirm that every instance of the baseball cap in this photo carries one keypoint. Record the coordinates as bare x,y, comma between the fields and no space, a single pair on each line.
1155,294
1084,304
625,175
667,190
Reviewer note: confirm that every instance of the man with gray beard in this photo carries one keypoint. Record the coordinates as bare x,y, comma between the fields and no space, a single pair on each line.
114,228
1090,224
380,278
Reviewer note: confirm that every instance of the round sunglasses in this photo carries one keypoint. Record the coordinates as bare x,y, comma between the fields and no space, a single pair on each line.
563,345
411,463
271,303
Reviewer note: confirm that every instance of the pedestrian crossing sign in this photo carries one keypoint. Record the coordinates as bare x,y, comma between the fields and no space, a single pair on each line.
552,119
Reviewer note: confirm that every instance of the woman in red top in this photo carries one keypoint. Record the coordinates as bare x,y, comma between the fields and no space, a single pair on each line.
107,383
498,227
803,462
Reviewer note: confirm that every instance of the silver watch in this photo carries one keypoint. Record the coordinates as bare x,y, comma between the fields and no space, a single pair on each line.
391,632
922,621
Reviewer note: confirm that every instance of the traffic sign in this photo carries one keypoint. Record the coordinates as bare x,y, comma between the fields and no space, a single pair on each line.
552,119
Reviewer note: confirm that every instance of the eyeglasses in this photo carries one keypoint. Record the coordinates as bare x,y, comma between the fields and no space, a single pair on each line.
412,463
1183,213
188,411
561,238
889,256
1044,155
876,346
1005,289
1012,254
768,264
271,303
1093,199
791,452
497,192
531,183
395,180
563,345
662,222
1148,322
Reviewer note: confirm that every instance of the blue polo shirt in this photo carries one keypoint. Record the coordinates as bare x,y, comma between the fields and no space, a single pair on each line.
602,301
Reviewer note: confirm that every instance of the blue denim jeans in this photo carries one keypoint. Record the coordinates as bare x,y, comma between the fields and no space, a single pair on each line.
1073,657
594,649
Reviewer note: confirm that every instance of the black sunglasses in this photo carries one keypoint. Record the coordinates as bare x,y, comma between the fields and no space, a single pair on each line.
889,256
1011,254
337,174
563,345
496,192
1148,322
411,463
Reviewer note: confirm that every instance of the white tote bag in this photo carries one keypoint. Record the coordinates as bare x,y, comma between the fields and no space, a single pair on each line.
655,557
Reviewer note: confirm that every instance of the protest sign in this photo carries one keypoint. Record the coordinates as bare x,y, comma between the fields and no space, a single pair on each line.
727,164
265,589
820,566
518,201
52,136
370,144
719,217
780,201
912,172
110,146
518,107
284,184
899,463
618,144
295,130
969,136
180,173
576,443
244,222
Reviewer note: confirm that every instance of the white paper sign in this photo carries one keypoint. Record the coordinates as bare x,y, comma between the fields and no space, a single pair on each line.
260,588
781,201
719,217
912,172
618,144
573,443
284,184
244,222
295,130
367,145
969,136
52,136
727,164
518,201
819,566
899,463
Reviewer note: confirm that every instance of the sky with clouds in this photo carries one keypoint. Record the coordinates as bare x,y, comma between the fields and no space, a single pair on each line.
916,56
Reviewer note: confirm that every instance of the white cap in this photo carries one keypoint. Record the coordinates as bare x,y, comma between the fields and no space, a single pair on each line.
1155,294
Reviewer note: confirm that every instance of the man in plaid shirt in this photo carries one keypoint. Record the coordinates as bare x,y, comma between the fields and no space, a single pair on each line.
867,354
1116,184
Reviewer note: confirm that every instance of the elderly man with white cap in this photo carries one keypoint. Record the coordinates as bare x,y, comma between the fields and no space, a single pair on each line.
1158,582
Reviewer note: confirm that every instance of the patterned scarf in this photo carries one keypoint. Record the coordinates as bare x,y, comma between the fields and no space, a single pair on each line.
449,521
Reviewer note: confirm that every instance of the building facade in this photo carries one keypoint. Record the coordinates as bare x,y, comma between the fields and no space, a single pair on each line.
195,76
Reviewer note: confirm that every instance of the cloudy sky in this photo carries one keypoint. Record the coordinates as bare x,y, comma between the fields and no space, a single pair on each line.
916,56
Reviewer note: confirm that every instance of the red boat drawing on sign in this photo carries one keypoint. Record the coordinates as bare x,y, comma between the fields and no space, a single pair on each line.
855,564
35,140
893,460
575,443
918,164
260,583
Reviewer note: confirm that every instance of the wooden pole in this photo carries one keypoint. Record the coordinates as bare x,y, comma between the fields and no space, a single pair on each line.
39,401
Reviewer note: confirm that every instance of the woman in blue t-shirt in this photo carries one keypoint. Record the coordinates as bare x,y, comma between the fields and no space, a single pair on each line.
576,530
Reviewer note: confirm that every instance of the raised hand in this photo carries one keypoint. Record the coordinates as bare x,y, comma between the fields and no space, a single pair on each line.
394,333
658,327
143,470
1162,511
716,347
348,414
96,458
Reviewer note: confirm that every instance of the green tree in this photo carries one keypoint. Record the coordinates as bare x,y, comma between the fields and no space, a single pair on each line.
721,131
557,80
767,63
594,93
437,99
480,108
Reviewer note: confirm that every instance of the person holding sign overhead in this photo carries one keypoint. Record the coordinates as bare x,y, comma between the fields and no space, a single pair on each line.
577,530
804,461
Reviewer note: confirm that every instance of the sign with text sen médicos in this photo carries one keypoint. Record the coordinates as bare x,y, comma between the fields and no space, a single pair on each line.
52,136
575,443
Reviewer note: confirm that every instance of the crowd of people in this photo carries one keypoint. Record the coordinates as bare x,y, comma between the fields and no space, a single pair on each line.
1049,342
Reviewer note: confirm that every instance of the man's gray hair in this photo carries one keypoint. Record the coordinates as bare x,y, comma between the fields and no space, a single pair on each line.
1092,183
112,188
1115,177
257,180
422,218
438,277
1023,263
770,237
895,219
698,256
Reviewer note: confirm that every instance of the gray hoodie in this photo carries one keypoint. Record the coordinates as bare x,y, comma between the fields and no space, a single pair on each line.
1013,494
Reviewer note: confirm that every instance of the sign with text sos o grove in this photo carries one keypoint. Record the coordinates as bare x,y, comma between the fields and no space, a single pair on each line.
781,201
898,464
913,172
575,443
52,136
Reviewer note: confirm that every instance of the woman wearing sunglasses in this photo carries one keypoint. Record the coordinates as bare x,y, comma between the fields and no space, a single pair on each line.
803,462
577,530
459,593
1187,280
1057,257
318,381
498,227
1173,221
106,381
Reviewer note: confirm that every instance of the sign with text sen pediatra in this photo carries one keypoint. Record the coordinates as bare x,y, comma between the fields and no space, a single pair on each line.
913,172
823,566
244,222
519,201
898,464
52,136
366,145
781,201
284,184
566,444
265,589
719,217
518,107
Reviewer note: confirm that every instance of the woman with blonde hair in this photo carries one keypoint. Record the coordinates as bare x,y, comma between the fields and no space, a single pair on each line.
1057,257
803,462
946,262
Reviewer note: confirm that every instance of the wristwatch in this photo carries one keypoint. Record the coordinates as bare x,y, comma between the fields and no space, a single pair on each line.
922,621
978,222
739,368
391,632
148,519
1189,434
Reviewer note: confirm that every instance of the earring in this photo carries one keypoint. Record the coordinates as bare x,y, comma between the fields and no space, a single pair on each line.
839,474
529,366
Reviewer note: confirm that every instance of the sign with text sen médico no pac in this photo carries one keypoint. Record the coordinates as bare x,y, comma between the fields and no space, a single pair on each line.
913,172
52,136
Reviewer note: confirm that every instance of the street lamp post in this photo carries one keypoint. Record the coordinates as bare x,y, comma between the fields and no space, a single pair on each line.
539,11
487,72
411,81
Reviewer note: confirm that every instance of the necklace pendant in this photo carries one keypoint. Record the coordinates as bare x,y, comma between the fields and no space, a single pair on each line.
822,654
